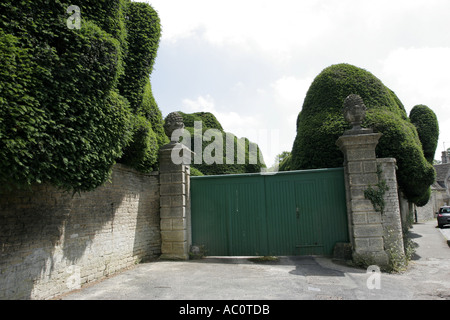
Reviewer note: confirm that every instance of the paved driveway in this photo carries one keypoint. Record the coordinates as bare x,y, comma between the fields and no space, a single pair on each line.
289,278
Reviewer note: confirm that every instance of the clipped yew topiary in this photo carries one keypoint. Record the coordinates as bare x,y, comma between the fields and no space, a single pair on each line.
401,141
68,107
143,34
253,162
321,122
425,120
62,119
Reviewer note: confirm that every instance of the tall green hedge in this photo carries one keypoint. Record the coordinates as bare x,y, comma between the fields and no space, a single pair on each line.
143,34
320,123
209,121
426,123
425,120
64,116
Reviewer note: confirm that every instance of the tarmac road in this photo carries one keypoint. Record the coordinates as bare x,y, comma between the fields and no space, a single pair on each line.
289,278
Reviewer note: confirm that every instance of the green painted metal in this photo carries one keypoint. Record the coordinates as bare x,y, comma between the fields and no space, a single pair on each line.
287,213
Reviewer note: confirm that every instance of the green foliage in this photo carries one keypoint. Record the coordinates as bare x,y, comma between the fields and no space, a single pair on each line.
195,172
401,141
109,15
376,195
143,34
341,80
143,152
150,111
21,119
424,198
283,159
425,120
209,122
207,119
64,116
285,165
282,156
321,123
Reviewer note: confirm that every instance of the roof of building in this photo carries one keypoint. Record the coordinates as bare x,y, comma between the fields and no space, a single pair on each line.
442,173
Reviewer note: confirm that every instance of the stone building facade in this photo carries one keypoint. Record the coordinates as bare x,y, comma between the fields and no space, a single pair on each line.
440,192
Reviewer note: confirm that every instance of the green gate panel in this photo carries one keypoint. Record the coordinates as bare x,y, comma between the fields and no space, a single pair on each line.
288,213
209,216
247,224
333,210
291,204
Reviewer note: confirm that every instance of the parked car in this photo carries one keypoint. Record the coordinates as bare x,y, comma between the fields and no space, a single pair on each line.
443,216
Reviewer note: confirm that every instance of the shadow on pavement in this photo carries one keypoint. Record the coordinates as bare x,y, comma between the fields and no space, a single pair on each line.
413,235
316,270
279,261
304,265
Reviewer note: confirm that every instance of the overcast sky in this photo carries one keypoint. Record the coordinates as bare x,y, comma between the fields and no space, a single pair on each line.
250,62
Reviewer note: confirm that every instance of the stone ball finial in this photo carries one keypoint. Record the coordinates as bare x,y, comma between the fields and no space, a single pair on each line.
354,111
173,122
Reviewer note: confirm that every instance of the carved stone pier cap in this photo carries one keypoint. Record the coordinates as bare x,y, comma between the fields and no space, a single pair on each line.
355,112
173,122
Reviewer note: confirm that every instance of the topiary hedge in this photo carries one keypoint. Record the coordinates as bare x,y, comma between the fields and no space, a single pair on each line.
142,153
321,123
400,141
426,123
209,121
65,117
143,34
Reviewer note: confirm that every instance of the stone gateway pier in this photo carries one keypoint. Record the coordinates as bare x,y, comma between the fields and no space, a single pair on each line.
374,222
175,194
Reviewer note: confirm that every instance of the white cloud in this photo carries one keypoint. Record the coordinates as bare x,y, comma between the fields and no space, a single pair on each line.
261,25
291,90
231,121
278,27
421,76
201,104
289,93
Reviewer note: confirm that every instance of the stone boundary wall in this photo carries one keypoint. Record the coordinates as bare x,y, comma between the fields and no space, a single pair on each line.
52,242
437,200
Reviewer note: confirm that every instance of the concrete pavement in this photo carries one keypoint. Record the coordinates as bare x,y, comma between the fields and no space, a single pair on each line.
446,233
289,278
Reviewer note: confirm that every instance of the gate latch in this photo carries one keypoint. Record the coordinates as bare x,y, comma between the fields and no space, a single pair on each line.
297,211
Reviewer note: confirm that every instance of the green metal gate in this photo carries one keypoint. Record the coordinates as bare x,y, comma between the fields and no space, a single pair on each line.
287,213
